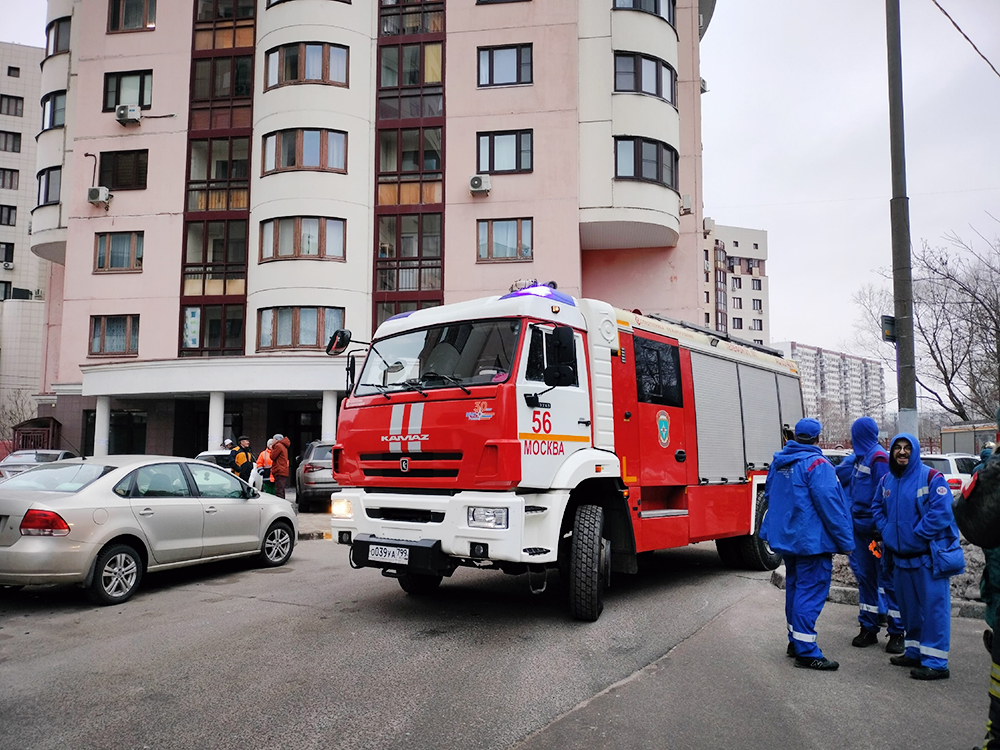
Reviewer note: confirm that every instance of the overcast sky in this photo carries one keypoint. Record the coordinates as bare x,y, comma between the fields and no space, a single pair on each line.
796,138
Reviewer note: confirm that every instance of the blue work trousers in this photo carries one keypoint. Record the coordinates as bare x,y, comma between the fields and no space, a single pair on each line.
807,584
876,589
925,604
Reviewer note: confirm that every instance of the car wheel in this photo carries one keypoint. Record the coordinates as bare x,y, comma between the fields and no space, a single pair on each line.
278,544
117,574
589,564
419,583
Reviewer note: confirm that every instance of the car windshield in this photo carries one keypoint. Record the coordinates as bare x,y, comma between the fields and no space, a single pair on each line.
475,352
321,453
57,477
30,458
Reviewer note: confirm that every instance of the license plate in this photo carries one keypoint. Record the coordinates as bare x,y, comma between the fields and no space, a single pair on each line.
381,553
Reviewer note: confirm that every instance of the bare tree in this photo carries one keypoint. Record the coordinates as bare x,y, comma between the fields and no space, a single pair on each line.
16,406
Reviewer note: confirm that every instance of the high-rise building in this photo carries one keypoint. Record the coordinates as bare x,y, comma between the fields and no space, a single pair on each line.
735,286
22,274
243,177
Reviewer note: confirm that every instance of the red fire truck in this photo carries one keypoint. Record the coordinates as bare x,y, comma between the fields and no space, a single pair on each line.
535,431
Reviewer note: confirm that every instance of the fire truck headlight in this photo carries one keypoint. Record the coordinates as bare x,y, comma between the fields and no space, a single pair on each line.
488,518
341,508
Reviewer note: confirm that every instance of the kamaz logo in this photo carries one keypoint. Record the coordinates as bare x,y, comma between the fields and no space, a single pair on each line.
402,438
404,465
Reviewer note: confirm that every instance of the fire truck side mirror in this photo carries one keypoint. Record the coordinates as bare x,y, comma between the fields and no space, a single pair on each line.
352,371
563,371
339,341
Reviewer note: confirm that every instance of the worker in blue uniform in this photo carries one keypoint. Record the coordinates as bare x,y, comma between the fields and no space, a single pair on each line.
807,521
912,513
875,584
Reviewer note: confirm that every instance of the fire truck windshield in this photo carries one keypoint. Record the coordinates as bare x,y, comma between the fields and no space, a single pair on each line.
467,353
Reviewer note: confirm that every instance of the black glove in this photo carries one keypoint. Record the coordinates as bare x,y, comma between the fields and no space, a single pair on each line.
988,640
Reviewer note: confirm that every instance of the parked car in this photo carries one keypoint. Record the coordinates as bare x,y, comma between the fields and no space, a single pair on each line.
314,477
836,455
19,461
103,523
956,467
220,457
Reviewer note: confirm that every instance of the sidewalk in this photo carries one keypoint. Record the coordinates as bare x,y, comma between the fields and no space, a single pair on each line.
311,525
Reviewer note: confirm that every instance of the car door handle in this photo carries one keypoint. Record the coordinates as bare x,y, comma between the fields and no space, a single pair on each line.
584,422
211,509
146,512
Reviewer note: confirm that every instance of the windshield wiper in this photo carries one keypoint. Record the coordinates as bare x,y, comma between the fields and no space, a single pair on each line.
381,389
414,385
446,378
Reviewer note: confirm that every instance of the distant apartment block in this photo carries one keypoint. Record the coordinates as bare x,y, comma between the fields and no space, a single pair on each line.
735,287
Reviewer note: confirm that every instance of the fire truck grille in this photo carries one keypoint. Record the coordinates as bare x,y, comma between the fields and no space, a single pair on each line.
406,514
394,457
398,473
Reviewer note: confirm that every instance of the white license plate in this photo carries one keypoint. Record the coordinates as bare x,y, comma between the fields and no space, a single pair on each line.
382,553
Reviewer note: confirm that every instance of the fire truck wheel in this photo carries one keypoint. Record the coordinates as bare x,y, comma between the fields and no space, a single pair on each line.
418,583
589,563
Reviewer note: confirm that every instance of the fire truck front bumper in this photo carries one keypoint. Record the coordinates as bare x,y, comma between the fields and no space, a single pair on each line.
431,533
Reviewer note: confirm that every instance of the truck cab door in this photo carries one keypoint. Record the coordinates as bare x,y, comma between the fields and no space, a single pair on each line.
661,420
552,423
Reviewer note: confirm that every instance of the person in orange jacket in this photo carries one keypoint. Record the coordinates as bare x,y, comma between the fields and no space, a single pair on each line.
264,465
279,464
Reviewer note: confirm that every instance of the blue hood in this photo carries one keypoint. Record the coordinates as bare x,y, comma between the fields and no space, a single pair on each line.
913,467
794,451
864,435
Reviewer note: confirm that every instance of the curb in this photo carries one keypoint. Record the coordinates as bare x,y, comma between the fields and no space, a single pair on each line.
305,536
845,595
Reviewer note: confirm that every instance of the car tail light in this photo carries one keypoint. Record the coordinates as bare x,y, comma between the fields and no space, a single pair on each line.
310,468
955,483
43,523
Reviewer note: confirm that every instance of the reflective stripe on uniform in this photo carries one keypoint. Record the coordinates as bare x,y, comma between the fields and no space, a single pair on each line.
804,637
863,470
995,672
869,608
921,492
894,613
928,651
911,644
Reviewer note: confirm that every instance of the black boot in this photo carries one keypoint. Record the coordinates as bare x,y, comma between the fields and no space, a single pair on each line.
895,644
865,638
822,663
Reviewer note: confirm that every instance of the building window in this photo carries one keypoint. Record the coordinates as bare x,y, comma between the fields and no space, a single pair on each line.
49,182
276,2
54,110
707,299
662,8
307,62
303,237
737,282
297,327
504,66
708,319
114,335
407,20
218,174
737,323
736,243
323,150
131,15
759,341
504,239
756,284
8,179
7,252
645,75
215,256
5,289
128,88
411,150
644,159
118,251
212,331
8,215
756,325
10,141
57,37
124,170
12,106
13,72
222,78
409,79
504,152
409,253
737,303
758,305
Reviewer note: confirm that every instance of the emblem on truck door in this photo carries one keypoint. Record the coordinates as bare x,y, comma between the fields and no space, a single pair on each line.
663,428
404,465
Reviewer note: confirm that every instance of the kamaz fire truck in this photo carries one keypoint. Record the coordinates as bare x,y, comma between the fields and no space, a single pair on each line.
534,431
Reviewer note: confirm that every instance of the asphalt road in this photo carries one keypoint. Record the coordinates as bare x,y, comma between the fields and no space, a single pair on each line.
316,655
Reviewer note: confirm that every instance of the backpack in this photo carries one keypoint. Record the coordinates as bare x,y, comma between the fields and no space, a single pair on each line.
977,511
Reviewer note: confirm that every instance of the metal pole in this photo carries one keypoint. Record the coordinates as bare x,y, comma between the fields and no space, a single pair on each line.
899,212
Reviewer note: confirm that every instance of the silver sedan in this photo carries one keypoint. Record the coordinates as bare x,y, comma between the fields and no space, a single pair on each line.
103,523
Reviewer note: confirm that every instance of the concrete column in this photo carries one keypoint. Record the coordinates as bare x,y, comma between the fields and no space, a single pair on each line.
102,425
329,420
216,419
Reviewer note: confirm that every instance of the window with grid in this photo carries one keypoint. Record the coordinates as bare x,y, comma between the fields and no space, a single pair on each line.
13,71
218,174
409,166
505,66
504,152
5,289
118,251
277,2
411,18
12,106
385,310
665,9
306,149
135,87
410,78
221,92
759,341
306,62
57,37
297,327
758,305
8,215
215,254
409,253
114,335
10,141
737,323
303,237
504,239
54,110
49,185
756,325
8,179
645,74
737,282
645,159
212,330
756,285
737,303
131,15
124,170
224,24
7,252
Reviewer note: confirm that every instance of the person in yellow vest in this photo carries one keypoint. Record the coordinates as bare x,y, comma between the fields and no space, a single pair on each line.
243,459
264,465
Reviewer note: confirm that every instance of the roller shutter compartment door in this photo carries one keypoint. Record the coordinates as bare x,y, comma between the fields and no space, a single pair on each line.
790,395
761,419
720,424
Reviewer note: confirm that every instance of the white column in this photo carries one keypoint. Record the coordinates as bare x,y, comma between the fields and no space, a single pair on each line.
102,425
216,419
328,423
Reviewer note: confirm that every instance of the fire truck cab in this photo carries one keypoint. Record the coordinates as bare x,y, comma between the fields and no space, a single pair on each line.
534,431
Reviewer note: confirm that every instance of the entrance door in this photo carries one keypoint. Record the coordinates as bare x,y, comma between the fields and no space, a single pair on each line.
660,397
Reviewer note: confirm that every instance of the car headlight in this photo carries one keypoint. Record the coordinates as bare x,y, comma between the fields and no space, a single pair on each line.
341,508
488,518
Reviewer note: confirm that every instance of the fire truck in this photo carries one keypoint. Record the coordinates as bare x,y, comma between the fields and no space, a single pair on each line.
535,431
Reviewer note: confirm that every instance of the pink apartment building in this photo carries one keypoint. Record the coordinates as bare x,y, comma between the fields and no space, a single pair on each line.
239,178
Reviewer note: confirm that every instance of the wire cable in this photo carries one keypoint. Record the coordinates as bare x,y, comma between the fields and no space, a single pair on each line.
953,23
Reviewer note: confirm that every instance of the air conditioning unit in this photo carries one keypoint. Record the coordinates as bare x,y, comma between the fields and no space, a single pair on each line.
479,183
38,294
8,265
126,113
98,195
